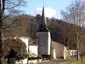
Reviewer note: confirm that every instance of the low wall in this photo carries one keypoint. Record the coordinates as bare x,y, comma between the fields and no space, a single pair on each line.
25,61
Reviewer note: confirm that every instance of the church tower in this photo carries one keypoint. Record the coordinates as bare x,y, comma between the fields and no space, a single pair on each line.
43,37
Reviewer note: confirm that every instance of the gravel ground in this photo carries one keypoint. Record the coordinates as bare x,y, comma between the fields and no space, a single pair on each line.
53,61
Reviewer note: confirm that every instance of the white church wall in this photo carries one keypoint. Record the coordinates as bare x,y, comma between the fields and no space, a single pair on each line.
44,43
26,41
33,50
59,48
54,54
65,53
49,43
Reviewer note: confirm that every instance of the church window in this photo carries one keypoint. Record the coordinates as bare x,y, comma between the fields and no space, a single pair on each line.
43,36
42,45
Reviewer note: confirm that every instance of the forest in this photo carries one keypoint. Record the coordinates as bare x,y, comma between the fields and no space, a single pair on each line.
61,31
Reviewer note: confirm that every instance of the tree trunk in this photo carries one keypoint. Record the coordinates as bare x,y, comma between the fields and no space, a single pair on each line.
78,54
81,58
1,43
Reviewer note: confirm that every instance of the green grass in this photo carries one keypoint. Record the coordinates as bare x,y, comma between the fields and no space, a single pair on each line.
71,61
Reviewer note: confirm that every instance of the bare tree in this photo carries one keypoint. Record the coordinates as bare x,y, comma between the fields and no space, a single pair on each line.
33,24
7,6
75,14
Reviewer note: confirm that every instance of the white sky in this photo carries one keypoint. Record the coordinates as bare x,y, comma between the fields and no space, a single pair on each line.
49,12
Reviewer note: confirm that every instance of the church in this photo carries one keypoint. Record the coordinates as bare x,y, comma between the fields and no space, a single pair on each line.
44,46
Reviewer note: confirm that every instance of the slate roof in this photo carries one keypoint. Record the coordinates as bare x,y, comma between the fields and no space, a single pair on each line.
43,27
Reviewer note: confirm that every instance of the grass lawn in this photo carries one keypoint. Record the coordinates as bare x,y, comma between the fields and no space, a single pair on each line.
72,61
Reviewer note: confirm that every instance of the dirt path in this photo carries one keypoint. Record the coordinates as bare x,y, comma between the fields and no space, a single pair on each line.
53,61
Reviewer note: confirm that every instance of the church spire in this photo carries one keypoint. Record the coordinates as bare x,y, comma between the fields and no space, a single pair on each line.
43,20
43,27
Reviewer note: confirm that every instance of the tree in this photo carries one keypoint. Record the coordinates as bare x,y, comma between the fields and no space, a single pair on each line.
14,49
11,57
75,14
33,25
18,28
7,6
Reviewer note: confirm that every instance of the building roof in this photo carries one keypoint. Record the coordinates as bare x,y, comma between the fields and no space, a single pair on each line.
43,27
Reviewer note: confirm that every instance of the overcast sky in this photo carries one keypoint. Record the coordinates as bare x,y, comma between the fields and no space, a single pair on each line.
52,7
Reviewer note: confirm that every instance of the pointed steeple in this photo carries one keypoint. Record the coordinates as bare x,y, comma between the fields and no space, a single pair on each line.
43,27
43,20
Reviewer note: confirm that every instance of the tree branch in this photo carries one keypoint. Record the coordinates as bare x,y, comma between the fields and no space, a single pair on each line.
14,4
5,26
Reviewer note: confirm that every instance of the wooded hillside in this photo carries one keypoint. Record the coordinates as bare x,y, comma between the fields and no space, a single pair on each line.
61,31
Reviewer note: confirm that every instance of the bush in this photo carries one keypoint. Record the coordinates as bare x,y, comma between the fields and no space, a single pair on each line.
11,61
